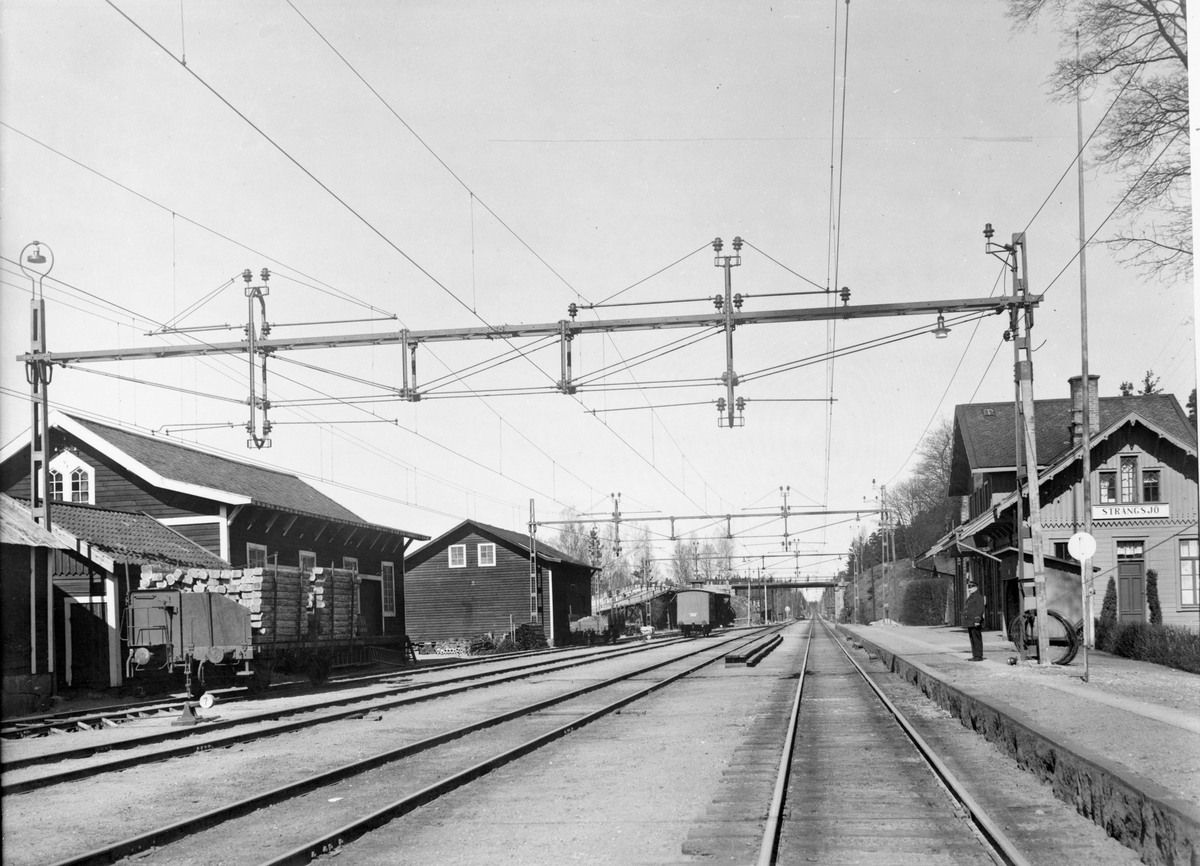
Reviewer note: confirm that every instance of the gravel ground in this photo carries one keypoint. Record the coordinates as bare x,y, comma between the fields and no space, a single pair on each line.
627,789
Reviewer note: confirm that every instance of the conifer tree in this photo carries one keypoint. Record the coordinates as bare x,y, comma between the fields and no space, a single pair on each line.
1152,597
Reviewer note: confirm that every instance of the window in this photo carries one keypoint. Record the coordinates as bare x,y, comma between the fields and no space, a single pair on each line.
80,479
1129,479
388,571
1061,552
1150,486
458,556
486,554
256,555
350,563
308,561
1189,572
1108,487
67,469
1129,550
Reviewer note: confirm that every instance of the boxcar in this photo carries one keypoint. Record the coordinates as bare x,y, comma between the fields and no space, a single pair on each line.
694,611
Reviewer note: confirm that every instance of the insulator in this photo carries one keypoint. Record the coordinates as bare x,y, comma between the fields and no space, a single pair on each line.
741,404
720,404
737,301
718,301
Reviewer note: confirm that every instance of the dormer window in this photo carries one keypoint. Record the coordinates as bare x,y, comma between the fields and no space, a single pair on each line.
72,480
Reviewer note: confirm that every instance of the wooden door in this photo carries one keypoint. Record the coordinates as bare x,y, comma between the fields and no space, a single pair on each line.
1131,598
88,642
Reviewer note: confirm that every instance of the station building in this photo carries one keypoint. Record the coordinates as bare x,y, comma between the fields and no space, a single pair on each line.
1143,497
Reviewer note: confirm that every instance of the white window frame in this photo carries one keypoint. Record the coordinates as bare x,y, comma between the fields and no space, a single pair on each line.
479,551
250,545
309,555
461,549
350,563
1194,576
387,571
65,463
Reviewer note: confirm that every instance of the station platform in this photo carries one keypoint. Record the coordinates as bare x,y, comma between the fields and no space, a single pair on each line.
1122,747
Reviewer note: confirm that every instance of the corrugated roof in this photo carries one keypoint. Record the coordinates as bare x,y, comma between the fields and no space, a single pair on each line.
17,526
130,537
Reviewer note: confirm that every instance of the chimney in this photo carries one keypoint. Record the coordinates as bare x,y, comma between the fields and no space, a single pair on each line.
1076,426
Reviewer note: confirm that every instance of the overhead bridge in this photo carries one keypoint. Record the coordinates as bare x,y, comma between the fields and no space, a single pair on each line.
807,583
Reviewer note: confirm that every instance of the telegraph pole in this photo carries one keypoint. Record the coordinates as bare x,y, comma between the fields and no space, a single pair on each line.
1015,256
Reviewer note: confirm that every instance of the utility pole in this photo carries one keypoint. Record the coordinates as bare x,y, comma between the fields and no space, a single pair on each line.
1085,564
725,306
533,572
1015,255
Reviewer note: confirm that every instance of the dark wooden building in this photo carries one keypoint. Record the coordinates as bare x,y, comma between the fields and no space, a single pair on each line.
26,550
244,514
475,579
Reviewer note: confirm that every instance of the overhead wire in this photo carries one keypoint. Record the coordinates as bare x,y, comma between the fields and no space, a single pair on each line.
465,186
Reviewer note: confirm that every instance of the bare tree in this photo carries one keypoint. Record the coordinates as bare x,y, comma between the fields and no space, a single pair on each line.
1135,50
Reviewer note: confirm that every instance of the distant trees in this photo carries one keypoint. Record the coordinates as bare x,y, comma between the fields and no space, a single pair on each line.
1136,50
708,560
1149,386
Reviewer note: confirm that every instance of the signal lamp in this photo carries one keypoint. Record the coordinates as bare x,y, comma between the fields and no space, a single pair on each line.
941,331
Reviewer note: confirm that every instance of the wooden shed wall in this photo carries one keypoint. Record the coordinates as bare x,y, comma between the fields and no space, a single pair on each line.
443,603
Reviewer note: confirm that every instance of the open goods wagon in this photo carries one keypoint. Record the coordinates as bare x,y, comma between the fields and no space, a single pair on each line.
212,628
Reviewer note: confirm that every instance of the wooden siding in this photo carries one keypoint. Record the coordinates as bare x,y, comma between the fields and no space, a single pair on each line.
285,535
207,535
443,603
14,611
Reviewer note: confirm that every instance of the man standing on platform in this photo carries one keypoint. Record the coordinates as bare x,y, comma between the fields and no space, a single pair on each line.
973,617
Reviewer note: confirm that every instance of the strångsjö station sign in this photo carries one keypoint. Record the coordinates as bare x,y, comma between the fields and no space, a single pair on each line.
1131,512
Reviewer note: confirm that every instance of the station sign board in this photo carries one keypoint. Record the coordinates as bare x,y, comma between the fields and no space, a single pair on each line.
1141,511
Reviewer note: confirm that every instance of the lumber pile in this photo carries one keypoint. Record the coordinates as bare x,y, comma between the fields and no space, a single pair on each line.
285,603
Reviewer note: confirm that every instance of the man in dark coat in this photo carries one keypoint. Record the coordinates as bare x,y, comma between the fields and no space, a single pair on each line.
973,617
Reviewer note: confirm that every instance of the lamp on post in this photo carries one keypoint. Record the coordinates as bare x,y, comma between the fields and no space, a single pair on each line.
36,264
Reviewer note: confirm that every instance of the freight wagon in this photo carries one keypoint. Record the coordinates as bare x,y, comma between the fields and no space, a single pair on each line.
696,612
210,628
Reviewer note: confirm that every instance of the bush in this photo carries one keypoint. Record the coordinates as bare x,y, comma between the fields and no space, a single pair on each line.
1152,597
1170,645
1106,625
924,601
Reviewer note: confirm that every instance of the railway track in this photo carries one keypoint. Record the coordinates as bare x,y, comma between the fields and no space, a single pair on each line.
858,784
198,739
429,768
98,718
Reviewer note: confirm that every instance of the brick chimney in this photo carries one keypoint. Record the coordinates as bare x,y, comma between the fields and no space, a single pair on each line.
1076,383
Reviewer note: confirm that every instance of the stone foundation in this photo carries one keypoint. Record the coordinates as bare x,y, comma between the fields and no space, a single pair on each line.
25,695
1136,811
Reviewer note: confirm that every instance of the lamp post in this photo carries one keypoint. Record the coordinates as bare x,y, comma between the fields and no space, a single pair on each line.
36,264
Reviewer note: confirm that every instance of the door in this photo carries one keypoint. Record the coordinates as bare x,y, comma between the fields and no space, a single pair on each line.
370,597
86,643
1131,593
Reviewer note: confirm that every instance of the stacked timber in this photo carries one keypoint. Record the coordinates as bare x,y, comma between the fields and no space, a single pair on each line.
285,603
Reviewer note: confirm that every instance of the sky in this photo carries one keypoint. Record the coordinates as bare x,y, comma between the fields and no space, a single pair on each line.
432,166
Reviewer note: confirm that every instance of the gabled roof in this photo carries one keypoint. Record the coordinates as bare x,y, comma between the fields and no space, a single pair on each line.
171,465
1062,462
984,437
17,526
516,541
